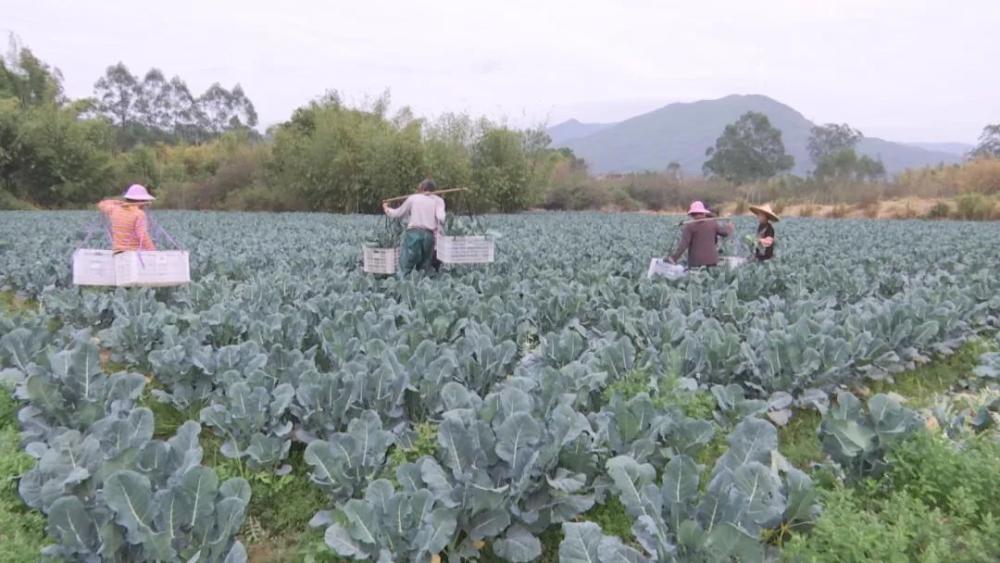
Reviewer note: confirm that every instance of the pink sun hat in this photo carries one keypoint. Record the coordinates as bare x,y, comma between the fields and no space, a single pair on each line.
698,207
137,192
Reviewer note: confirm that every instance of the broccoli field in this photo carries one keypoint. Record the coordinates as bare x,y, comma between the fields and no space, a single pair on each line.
839,403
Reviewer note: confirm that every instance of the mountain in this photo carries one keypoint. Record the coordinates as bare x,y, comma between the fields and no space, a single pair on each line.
573,129
960,149
681,132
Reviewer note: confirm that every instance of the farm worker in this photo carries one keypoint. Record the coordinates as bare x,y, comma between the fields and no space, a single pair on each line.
765,231
425,216
129,226
699,237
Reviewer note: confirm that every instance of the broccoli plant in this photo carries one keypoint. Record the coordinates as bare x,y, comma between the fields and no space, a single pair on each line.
115,494
346,462
678,520
389,525
388,236
252,419
858,440
68,390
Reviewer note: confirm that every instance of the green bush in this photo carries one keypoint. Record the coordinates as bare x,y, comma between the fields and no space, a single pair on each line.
51,157
941,210
976,207
948,477
897,528
11,203
576,197
22,530
262,198
938,502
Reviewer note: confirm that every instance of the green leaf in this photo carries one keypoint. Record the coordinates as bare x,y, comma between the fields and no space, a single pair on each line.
362,522
802,498
197,496
690,535
728,543
630,478
580,543
129,495
516,437
757,489
438,532
340,541
488,524
752,440
680,480
518,545
70,523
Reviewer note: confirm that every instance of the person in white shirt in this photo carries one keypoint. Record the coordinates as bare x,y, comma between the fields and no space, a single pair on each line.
425,215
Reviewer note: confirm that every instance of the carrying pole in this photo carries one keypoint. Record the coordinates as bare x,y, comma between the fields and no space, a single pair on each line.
722,218
450,190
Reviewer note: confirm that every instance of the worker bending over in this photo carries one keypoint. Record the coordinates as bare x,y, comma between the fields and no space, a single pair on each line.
425,216
699,237
129,226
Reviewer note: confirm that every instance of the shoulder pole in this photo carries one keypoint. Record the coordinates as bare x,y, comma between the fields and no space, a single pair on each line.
397,198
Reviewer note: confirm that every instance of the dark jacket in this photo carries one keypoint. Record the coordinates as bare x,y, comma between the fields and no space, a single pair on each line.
763,231
698,239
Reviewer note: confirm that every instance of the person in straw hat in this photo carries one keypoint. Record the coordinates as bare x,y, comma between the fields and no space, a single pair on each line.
129,225
765,231
699,237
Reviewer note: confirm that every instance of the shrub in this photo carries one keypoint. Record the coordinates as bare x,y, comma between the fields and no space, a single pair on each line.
653,191
621,200
839,211
948,477
941,210
11,203
870,209
22,531
937,501
262,198
857,525
576,197
980,176
906,213
976,207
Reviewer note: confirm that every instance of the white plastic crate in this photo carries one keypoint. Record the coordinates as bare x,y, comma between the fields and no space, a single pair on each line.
380,260
465,250
659,268
160,268
93,267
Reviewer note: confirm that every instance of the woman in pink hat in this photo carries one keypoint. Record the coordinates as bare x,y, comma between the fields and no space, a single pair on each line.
699,237
129,230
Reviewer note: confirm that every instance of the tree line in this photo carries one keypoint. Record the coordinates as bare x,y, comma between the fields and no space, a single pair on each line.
204,152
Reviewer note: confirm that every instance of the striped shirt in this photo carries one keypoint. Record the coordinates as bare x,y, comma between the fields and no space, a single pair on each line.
128,225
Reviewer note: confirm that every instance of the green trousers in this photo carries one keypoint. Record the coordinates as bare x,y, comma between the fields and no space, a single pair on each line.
417,251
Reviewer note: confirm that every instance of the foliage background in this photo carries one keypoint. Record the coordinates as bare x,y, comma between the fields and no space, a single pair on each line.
205,152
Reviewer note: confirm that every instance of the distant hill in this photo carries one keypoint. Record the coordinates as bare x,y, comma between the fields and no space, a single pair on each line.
960,149
681,132
573,129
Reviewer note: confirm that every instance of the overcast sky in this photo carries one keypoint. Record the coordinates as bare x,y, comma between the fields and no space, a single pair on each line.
906,70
